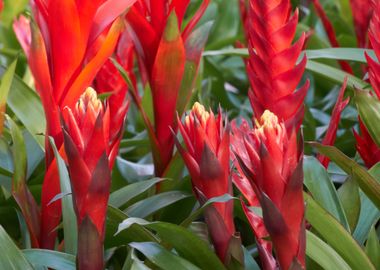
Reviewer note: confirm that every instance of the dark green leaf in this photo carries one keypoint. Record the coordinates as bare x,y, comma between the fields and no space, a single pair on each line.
125,194
349,196
152,204
162,258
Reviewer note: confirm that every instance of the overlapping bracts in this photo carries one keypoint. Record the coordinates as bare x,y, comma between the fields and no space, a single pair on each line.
85,126
271,160
207,157
66,45
169,58
272,69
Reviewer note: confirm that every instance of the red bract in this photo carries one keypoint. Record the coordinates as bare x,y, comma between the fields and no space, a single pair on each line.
169,61
59,48
362,13
365,145
89,148
242,183
332,129
272,162
272,67
208,161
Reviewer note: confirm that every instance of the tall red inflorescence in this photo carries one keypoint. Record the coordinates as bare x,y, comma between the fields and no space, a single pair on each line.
273,68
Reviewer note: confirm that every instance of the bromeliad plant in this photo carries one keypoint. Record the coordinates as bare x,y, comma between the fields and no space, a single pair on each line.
76,178
207,158
62,71
169,59
87,124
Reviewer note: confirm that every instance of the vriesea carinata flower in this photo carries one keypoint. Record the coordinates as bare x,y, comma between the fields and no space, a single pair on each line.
207,158
271,159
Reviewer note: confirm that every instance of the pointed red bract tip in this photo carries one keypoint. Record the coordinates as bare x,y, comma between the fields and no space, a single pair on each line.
271,162
207,156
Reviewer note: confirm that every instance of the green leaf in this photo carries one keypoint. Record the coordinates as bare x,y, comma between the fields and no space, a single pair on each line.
51,259
163,258
133,234
6,82
372,248
323,254
70,228
152,204
318,182
249,262
132,262
336,236
349,54
11,10
366,182
194,215
185,242
335,75
19,157
369,213
26,105
369,111
11,258
125,194
350,198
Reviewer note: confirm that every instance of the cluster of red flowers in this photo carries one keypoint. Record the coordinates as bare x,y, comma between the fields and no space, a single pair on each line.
267,155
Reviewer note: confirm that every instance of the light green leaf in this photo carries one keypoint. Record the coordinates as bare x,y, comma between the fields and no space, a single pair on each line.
70,228
366,182
372,247
49,258
323,254
336,236
6,82
369,111
11,258
369,213
318,182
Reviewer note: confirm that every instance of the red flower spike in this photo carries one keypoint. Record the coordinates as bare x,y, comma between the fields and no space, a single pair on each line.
362,12
272,68
59,48
331,33
365,145
207,159
272,163
86,125
330,136
169,60
243,184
